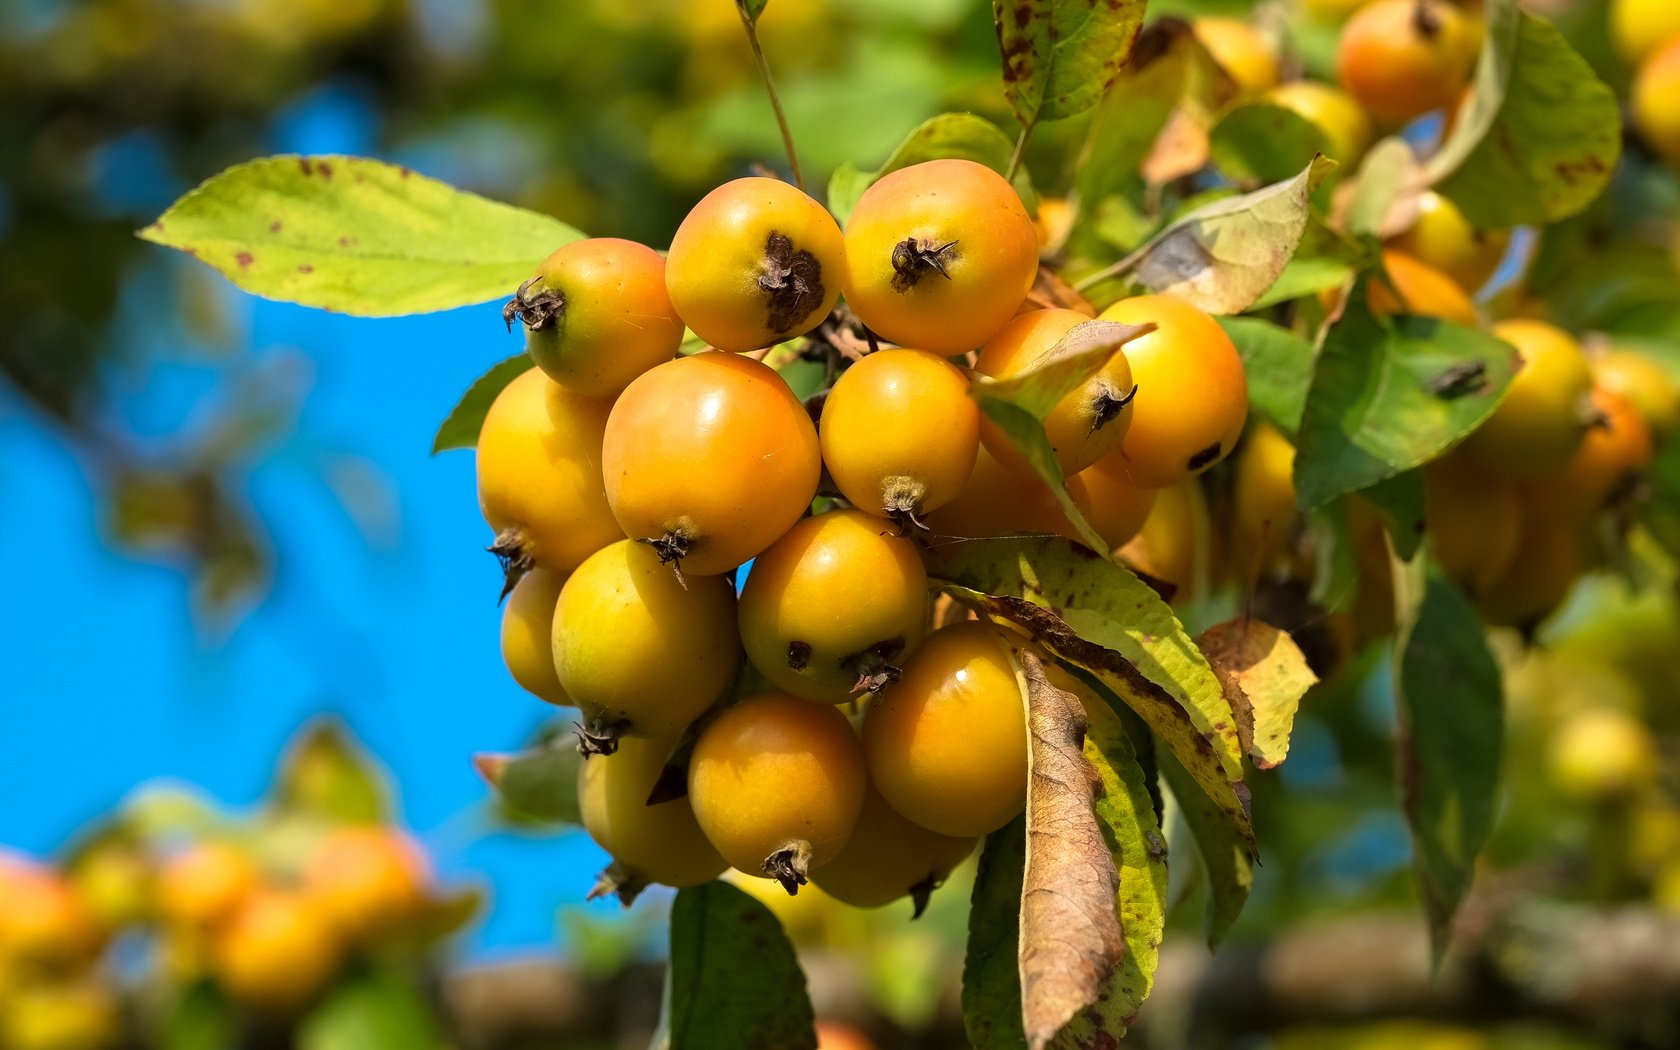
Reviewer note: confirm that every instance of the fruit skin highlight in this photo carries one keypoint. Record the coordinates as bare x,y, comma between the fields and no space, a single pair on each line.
947,742
710,458
1401,59
1192,391
755,262
597,315
1443,238
639,650
777,784
539,476
658,843
939,255
900,434
834,607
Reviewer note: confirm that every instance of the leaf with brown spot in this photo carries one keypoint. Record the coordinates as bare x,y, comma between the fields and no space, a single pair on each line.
1126,813
1064,585
1134,112
1224,256
1109,607
1265,676
1070,939
1060,55
380,243
1539,136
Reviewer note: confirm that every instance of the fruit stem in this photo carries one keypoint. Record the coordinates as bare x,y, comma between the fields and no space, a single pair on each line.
1020,150
790,865
749,24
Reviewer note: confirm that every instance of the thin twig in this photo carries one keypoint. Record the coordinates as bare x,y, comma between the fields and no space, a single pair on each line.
1124,266
1020,149
770,89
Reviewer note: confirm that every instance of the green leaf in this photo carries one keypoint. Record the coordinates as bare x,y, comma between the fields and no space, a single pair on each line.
539,785
991,982
1279,364
1452,732
734,981
375,1010
1224,256
1059,55
1401,502
1226,859
1019,404
1541,134
1261,142
1133,111
751,9
1304,276
466,419
963,136
327,775
357,235
1126,813
1100,617
1388,397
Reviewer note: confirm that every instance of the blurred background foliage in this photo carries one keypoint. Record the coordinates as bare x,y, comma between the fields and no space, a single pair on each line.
615,116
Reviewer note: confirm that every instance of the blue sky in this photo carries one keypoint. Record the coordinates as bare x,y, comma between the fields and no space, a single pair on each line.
110,682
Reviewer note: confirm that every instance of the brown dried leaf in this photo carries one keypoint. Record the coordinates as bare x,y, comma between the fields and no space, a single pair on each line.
1070,929
1264,676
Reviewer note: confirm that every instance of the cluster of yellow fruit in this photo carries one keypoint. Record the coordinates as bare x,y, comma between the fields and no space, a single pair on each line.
627,483
1517,511
51,993
1514,510
272,940
271,943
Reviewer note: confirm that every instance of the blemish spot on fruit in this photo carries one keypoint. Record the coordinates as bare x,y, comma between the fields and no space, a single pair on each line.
274,227
798,655
244,259
792,281
1203,457
305,268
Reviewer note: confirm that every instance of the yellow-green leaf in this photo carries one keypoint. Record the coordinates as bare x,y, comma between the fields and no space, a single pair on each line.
1100,617
1541,134
1225,255
356,235
1059,55
1126,814
1265,676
